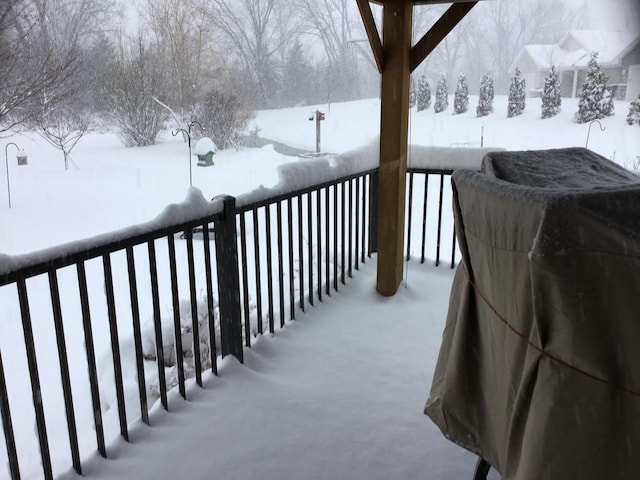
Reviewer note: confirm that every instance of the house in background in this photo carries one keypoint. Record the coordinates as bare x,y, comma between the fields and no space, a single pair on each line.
618,55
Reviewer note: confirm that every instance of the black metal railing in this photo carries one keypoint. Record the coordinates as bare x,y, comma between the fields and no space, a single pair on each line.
160,294
425,222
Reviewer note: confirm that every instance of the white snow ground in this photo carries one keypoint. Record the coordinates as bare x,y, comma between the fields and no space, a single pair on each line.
115,187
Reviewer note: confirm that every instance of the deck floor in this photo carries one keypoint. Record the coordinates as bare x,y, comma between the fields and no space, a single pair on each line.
336,394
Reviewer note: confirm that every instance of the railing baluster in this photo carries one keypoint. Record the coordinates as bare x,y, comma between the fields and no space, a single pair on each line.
157,323
327,241
91,357
292,310
64,370
35,380
256,254
280,261
364,229
357,239
177,323
335,237
350,226
7,427
439,220
409,216
300,254
319,240
310,244
210,304
342,231
195,325
453,248
424,215
245,280
269,267
137,335
115,345
373,212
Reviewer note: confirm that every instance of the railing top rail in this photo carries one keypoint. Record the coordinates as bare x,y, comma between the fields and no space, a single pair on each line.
278,197
170,222
436,171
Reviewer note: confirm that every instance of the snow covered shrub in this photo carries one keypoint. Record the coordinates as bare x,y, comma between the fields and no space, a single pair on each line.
423,96
485,98
186,330
595,100
441,101
224,118
108,398
551,99
461,98
634,112
517,94
412,92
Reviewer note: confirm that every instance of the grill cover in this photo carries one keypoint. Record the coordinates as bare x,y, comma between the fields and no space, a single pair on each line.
539,368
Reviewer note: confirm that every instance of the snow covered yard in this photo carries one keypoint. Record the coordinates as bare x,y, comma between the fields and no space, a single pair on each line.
374,355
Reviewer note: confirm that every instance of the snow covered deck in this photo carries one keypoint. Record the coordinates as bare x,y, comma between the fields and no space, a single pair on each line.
337,394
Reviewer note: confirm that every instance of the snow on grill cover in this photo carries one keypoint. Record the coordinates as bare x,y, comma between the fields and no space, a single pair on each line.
539,368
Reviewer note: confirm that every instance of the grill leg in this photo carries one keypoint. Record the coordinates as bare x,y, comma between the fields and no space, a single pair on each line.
482,469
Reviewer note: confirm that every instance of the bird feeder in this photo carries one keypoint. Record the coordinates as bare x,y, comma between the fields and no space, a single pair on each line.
205,150
22,158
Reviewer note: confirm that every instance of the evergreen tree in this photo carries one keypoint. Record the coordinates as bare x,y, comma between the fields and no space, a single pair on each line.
442,101
461,98
551,99
412,92
595,100
634,112
423,95
517,94
485,99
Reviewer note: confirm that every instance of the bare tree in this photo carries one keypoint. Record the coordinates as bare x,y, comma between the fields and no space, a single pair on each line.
135,76
31,71
63,128
182,36
336,26
254,32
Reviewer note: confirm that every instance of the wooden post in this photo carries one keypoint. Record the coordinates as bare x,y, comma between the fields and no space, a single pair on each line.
394,122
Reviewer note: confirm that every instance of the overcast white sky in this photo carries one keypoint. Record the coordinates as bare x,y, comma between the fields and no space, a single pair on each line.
608,14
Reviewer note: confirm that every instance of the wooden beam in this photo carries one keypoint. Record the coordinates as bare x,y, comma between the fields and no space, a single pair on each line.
372,32
439,31
394,128
426,2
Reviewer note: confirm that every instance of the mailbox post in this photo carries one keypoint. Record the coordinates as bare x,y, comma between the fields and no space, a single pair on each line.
318,116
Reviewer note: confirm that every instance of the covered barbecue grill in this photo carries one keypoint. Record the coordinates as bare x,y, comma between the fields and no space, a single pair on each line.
539,368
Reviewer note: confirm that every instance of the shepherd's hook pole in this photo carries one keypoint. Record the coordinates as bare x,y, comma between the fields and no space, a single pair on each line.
6,161
602,129
187,132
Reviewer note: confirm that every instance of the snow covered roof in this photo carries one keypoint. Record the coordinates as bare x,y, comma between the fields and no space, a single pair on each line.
573,50
204,146
611,46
